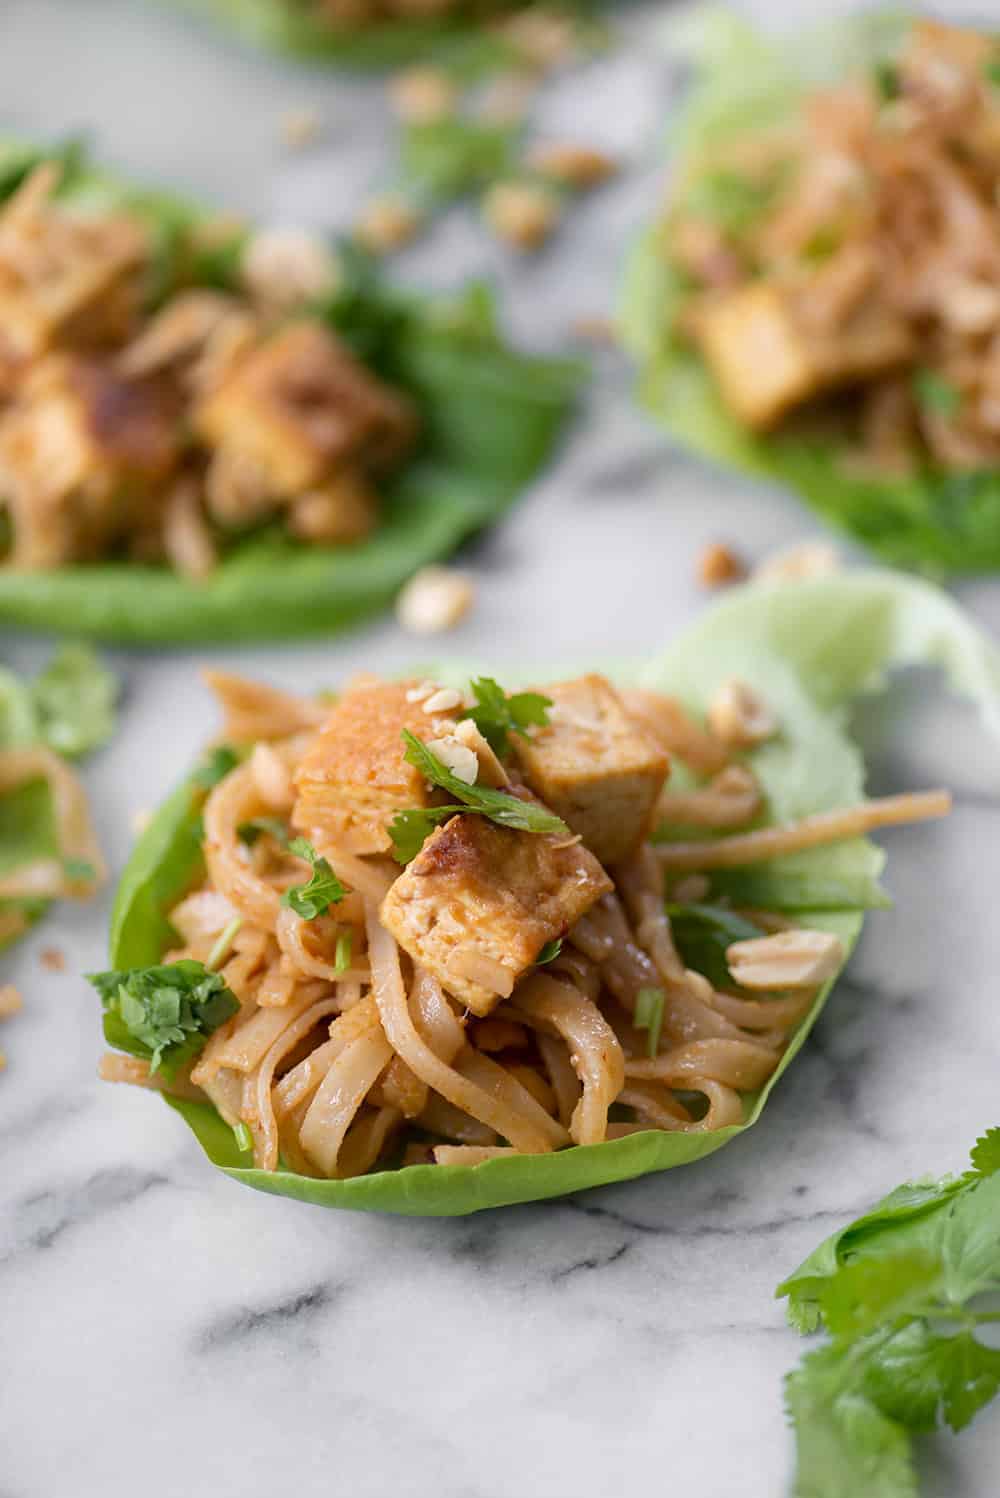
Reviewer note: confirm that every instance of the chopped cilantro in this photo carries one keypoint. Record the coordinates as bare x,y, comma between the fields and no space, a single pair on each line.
342,956
258,827
322,890
498,715
411,828
886,81
935,394
79,871
991,71
549,952
74,700
499,806
164,1013
649,1016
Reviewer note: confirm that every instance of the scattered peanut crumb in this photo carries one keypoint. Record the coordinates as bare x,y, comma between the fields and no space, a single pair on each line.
386,224
572,165
522,213
805,560
53,959
506,99
11,1001
435,599
442,701
544,38
300,128
789,960
739,716
422,95
719,565
282,267
460,759
594,328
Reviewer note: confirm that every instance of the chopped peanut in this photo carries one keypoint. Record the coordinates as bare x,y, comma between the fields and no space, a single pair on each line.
790,959
11,1001
572,165
522,213
797,563
460,759
739,717
443,700
388,223
719,565
422,95
282,267
300,128
435,599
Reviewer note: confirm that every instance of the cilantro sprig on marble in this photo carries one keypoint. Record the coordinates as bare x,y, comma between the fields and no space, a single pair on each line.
497,715
409,828
900,1294
323,890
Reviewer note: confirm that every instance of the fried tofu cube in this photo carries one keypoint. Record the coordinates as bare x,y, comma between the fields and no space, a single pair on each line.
757,354
767,360
82,453
478,903
354,778
297,410
595,766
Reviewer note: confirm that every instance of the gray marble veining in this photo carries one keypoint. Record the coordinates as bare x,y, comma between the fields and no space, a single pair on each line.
169,1333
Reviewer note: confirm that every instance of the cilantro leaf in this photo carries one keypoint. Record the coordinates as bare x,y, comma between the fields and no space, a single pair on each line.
549,952
919,1378
936,395
164,1013
499,806
704,933
497,715
411,828
869,1291
887,82
845,1446
648,1015
985,1154
322,890
258,827
74,700
970,1249
991,71
443,159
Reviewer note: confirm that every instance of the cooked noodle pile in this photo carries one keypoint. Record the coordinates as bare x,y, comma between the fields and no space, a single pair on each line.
162,427
507,991
845,266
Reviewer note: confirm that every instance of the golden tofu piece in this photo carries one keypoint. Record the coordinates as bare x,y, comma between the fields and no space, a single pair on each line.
294,412
767,361
595,766
354,777
479,902
755,351
82,456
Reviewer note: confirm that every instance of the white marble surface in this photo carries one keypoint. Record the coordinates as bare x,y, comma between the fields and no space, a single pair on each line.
169,1333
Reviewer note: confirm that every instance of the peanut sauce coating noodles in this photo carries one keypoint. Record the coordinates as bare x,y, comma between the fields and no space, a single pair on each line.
437,925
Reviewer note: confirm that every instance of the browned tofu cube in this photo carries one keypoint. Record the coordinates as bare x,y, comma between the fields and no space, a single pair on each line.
478,903
83,453
756,353
299,409
354,778
65,277
595,766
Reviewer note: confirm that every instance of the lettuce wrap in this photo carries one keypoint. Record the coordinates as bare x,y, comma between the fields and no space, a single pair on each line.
809,648
928,520
489,415
69,708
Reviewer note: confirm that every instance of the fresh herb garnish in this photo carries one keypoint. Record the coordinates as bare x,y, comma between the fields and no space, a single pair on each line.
549,952
886,81
704,933
164,1013
74,701
322,890
648,1015
244,1138
342,954
498,715
411,828
991,71
216,767
900,1294
223,943
935,394
500,806
79,870
444,159
258,827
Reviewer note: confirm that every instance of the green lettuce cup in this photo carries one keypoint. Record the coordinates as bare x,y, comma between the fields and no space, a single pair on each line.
59,716
489,420
927,516
808,648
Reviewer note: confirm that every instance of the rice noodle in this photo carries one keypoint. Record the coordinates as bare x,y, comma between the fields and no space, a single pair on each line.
594,1052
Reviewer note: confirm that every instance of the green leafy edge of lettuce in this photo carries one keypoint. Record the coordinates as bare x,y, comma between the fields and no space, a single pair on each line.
932,522
809,648
491,416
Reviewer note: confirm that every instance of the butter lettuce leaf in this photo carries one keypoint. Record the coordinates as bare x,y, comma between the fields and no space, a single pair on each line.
490,419
809,648
931,521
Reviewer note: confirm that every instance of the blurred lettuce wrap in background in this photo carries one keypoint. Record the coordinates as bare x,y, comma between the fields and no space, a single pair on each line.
808,648
484,419
937,508
47,845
